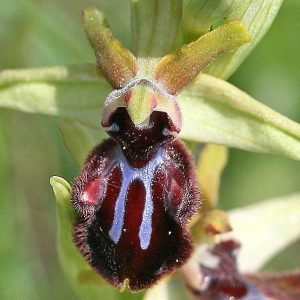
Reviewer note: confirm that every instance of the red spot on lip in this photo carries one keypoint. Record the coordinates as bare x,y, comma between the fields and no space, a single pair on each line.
127,97
90,195
153,102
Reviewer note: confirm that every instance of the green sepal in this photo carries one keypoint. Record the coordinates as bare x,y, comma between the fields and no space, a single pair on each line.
117,63
176,70
213,110
80,139
72,261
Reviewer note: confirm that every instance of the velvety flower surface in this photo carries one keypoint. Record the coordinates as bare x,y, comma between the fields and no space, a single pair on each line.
136,194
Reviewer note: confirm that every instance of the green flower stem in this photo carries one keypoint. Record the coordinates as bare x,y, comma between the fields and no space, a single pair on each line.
210,220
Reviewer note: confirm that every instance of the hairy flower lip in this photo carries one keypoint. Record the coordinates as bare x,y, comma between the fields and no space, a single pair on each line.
116,99
156,240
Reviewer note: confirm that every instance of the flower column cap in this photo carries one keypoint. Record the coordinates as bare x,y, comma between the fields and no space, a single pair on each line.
141,97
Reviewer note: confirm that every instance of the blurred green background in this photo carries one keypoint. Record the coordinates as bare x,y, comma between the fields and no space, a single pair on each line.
48,33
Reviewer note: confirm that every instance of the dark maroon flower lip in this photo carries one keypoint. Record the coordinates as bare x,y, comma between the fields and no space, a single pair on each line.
133,224
135,195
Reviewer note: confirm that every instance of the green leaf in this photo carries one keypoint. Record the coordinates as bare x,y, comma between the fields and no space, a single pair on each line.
264,229
257,16
154,26
79,139
214,111
75,92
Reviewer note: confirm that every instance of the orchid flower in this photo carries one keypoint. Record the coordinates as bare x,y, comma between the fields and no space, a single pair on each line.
142,214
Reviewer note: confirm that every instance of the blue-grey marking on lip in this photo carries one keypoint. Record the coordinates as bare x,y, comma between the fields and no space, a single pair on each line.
129,174
116,228
146,226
